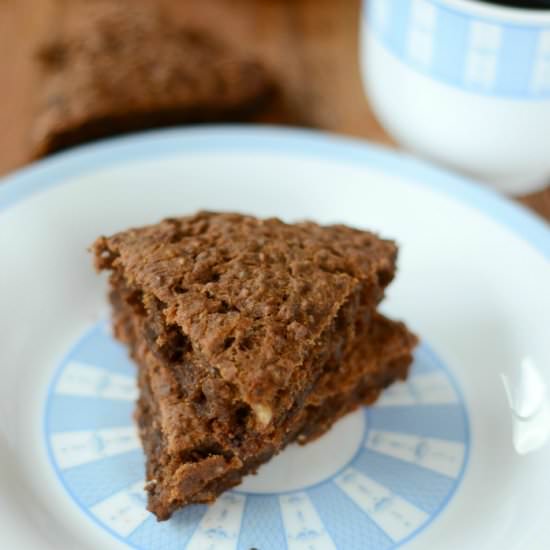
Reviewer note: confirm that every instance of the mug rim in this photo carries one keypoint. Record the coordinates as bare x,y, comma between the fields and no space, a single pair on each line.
498,13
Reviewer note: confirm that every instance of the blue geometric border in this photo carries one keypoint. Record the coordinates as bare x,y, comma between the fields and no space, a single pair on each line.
411,482
473,53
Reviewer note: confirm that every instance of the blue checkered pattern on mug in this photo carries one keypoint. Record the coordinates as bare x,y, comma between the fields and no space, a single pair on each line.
480,55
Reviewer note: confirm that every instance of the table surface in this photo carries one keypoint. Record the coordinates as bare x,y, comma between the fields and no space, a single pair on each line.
311,45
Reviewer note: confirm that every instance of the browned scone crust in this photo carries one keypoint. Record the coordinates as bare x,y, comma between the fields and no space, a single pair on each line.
129,68
248,334
212,468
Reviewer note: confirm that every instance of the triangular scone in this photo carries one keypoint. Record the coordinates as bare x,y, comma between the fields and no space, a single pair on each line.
240,327
120,70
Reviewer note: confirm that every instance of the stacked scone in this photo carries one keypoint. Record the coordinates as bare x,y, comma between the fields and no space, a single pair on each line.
248,334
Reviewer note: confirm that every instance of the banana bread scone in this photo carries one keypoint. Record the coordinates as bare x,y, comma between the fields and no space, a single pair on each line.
126,68
248,334
212,467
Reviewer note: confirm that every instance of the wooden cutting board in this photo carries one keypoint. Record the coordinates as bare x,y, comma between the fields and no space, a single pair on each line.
310,44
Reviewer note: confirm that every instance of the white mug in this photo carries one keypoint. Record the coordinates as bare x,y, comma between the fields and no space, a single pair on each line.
463,82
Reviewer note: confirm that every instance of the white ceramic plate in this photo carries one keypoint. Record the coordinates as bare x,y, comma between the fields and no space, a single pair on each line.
455,458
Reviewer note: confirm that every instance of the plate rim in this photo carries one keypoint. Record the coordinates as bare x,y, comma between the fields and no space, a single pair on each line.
58,169
44,175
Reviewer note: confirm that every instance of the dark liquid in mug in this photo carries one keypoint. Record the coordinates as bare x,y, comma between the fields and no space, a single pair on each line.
526,4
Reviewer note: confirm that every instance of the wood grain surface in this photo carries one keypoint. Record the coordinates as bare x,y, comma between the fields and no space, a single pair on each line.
311,46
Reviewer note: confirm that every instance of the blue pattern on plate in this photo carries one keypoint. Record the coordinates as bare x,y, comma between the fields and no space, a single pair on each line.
95,481
262,525
90,353
169,534
377,501
441,421
347,524
69,413
422,487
